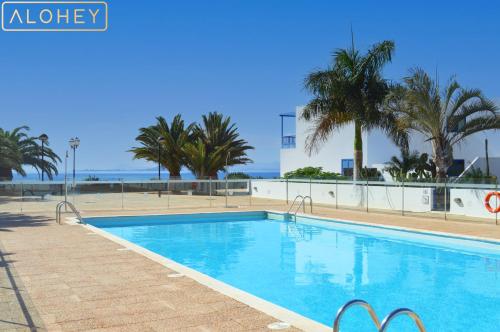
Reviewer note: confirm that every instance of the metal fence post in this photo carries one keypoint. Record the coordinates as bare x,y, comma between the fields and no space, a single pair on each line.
286,191
336,193
367,194
22,196
210,190
496,196
65,193
310,187
168,194
250,190
226,192
403,197
445,199
122,194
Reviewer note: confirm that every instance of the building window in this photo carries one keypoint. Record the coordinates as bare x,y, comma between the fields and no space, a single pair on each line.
347,167
288,142
456,168
458,127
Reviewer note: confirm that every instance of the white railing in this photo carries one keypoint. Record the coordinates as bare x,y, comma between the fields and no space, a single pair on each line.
447,200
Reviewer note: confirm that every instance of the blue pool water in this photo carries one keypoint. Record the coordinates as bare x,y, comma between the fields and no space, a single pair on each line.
313,267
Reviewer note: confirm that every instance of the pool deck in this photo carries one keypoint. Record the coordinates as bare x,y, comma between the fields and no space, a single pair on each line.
68,278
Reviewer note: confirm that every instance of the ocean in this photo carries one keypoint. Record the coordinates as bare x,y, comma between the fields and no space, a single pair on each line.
133,175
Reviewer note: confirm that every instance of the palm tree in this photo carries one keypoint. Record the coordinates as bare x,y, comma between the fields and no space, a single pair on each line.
410,166
445,118
10,158
18,149
351,91
174,138
217,143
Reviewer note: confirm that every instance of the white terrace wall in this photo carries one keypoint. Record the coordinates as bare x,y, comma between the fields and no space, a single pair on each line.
269,189
386,196
465,200
470,201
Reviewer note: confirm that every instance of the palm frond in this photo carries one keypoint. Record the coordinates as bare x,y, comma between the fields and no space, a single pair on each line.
17,149
444,118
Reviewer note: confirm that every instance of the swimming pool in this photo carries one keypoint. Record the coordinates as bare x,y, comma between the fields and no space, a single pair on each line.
314,266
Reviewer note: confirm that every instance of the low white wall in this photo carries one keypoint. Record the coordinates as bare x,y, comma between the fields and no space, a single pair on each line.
269,189
392,197
470,202
387,196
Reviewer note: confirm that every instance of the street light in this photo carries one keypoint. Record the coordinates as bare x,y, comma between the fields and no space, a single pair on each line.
66,179
44,138
227,159
160,141
74,142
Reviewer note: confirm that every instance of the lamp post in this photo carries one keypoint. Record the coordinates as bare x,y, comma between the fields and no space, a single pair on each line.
227,159
74,142
160,141
44,138
66,179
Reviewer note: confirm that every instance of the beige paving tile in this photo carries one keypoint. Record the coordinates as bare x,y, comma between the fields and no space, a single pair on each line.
78,282
81,283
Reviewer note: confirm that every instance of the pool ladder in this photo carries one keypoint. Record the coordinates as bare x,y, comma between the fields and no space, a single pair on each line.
301,204
73,209
381,327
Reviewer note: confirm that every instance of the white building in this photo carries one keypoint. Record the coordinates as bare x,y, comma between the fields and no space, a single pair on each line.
336,155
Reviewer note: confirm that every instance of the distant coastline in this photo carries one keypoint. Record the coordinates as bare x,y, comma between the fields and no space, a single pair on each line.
118,175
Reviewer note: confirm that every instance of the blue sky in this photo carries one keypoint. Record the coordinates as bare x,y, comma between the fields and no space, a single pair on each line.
246,59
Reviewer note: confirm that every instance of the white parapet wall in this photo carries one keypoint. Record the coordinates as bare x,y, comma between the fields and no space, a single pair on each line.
470,201
380,195
465,199
270,189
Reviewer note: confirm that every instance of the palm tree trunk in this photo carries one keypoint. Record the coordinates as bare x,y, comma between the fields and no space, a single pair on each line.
442,160
174,176
441,170
213,175
6,174
358,151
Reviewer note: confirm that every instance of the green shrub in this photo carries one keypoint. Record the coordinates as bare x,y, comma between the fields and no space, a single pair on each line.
91,178
238,176
476,175
313,173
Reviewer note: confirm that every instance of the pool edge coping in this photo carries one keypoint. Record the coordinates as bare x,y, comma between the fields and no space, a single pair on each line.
253,301
400,228
271,309
327,219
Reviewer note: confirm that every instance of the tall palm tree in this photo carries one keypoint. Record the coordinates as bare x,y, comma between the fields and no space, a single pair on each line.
445,118
18,149
174,138
351,91
217,143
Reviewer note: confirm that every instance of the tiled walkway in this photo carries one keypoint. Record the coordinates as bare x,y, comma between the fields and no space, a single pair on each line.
78,281
17,312
69,279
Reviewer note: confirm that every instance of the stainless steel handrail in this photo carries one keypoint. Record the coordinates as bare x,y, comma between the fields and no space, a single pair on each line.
353,303
399,312
302,204
294,201
381,327
73,209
